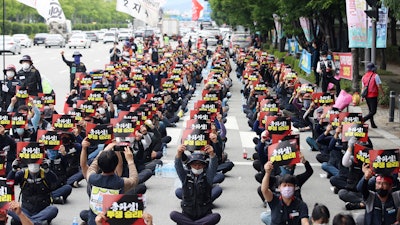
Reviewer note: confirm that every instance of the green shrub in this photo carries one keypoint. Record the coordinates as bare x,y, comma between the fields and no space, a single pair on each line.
17,28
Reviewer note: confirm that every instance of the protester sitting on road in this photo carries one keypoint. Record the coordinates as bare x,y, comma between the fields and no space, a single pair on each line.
335,151
300,180
15,207
349,193
320,214
35,184
29,131
343,219
108,181
196,185
381,205
284,207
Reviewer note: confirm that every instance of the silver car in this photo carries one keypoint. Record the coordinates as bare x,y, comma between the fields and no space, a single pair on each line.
24,40
9,44
54,40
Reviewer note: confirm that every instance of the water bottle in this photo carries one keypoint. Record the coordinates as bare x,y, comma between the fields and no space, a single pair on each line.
157,170
164,152
75,221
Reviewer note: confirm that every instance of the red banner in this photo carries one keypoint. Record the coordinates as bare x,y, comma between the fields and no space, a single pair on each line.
343,62
196,9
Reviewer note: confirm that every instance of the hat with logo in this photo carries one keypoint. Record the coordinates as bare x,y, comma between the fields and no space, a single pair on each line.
197,156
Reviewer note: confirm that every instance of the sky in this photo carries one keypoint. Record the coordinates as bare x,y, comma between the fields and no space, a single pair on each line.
181,5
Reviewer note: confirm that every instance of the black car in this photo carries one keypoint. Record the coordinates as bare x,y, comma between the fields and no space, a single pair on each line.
39,38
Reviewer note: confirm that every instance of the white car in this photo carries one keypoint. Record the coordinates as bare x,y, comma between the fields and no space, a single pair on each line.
24,40
79,40
109,37
10,45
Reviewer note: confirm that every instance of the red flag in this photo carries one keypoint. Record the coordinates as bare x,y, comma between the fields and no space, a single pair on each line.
196,9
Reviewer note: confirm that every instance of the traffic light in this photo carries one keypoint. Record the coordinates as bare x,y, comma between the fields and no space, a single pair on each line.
374,11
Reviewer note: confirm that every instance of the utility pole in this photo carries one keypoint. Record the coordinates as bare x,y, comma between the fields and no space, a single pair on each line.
373,13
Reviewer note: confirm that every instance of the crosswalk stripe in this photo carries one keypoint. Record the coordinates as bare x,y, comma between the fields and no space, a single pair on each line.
231,123
247,138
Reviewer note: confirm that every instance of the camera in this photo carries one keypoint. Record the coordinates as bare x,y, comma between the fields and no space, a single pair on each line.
120,147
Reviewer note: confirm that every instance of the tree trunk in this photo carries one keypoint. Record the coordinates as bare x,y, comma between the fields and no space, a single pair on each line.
393,37
383,58
356,77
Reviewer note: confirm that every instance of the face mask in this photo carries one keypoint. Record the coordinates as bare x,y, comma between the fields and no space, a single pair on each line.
105,83
77,59
25,66
287,192
124,96
382,193
33,168
329,57
324,58
20,131
10,74
197,172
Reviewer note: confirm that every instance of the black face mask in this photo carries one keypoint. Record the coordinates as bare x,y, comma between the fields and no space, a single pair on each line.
382,193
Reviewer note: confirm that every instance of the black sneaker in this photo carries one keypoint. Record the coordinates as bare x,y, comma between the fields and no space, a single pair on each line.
58,200
353,205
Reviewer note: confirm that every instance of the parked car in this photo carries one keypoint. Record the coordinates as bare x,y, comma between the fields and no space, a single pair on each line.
39,38
10,45
109,37
124,35
241,40
24,40
92,36
79,40
54,40
100,34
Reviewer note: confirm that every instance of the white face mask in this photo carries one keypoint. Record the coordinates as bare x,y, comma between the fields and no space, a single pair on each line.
197,172
25,66
287,192
33,167
20,131
10,74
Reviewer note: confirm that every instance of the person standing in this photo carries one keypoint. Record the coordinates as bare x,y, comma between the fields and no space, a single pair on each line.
9,86
75,66
196,185
166,40
372,81
326,69
115,53
314,49
29,76
189,44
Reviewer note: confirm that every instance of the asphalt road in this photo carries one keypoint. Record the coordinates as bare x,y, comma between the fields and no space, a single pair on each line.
239,203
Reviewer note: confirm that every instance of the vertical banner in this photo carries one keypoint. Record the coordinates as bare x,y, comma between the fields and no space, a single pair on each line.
305,25
344,62
381,29
305,61
356,21
196,9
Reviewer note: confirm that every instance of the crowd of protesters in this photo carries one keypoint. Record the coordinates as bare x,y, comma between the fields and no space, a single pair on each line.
279,106
144,92
48,153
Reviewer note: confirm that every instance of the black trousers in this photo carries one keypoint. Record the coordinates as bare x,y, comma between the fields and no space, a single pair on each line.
326,80
372,107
